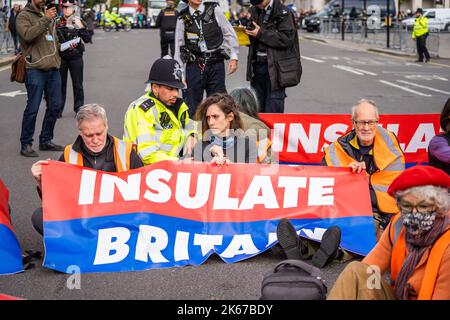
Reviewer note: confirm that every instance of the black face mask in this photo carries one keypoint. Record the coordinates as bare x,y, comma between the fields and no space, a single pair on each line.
417,222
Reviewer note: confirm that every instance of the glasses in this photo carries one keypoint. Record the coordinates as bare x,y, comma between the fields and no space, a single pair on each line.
363,123
421,208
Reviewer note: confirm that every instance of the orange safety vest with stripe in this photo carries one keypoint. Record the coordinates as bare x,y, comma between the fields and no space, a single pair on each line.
388,158
397,237
122,152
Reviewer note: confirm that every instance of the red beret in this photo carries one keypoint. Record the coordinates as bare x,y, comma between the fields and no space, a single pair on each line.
419,176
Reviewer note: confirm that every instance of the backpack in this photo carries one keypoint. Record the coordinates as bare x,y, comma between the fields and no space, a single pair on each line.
293,280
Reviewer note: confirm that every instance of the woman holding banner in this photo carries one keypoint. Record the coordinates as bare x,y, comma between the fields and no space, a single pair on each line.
415,247
223,140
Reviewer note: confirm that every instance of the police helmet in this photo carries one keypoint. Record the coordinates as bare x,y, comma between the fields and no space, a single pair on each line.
419,10
166,71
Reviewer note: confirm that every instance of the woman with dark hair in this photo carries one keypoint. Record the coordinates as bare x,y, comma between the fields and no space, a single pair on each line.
221,128
252,125
439,147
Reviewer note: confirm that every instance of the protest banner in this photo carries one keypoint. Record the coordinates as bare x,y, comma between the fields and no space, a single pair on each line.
174,214
301,138
10,252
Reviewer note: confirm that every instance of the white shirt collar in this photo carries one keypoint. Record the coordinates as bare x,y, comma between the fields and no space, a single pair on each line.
201,8
269,5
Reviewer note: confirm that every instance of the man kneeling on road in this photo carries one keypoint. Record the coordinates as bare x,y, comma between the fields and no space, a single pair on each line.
94,148
158,122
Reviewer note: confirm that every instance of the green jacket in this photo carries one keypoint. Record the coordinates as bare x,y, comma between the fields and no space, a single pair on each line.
34,29
420,27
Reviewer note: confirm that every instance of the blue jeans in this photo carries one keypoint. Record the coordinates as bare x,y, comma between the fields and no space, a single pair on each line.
37,82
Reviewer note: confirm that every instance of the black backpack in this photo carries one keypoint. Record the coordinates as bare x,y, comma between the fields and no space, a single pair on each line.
293,280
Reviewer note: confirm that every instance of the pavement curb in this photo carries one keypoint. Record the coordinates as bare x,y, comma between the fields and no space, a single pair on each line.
391,52
6,61
314,39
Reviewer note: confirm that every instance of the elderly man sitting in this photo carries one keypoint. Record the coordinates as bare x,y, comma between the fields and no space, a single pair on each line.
370,148
94,148
415,248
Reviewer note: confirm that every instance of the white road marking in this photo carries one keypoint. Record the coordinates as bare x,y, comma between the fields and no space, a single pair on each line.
5,68
423,87
312,59
364,71
404,88
12,94
348,69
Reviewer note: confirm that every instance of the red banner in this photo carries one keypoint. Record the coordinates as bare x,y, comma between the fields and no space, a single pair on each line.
300,138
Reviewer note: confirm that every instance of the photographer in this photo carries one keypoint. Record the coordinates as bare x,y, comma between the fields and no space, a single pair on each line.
69,28
35,25
273,62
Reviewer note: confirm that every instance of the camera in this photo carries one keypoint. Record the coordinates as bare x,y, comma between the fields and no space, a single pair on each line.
249,24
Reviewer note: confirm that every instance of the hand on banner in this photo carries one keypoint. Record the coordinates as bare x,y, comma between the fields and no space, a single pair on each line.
190,143
216,151
220,161
36,171
357,167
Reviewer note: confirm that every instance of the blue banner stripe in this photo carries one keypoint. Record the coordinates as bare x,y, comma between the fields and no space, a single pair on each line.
10,253
78,245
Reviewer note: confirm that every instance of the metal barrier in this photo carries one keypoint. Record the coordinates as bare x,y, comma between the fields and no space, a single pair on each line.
358,30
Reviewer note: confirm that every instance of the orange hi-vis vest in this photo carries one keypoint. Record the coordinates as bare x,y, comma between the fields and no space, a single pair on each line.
122,151
388,158
397,237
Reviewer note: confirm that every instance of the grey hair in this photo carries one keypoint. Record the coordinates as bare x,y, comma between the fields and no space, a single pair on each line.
439,195
90,112
361,101
246,101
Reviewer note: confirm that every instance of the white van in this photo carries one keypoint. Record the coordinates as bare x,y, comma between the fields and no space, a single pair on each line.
438,19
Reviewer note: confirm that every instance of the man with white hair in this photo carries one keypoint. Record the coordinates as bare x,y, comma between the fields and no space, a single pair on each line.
94,148
371,149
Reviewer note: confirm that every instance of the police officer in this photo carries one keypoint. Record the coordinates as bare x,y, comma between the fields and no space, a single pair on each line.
203,40
158,122
69,28
420,34
274,55
166,22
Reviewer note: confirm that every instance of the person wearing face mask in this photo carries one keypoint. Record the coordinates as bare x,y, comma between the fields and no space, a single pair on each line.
69,28
94,148
158,122
415,248
223,138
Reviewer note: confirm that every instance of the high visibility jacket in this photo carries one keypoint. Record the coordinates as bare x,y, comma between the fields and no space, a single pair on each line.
397,237
158,133
122,152
388,158
420,27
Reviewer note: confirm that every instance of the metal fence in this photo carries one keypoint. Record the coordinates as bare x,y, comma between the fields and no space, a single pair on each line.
358,30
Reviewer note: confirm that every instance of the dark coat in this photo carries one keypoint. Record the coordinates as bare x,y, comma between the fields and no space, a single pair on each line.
280,37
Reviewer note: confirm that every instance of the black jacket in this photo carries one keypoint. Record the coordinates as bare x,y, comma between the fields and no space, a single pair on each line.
280,37
66,34
166,22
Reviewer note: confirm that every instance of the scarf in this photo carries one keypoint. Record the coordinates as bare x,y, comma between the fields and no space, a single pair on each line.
416,245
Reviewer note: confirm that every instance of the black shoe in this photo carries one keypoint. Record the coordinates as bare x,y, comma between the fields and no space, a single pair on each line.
427,60
289,240
418,61
329,246
50,146
27,151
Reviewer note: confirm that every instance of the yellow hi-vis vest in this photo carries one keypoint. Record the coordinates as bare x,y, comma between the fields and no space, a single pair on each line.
158,133
420,27
388,158
122,152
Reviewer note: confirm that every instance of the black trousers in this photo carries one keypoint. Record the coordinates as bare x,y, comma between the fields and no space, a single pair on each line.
165,45
270,101
211,80
37,219
75,67
422,50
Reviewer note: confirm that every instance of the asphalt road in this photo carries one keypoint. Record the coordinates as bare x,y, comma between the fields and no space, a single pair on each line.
116,66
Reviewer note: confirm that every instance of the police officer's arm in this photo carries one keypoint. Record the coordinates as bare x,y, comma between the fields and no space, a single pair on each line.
158,19
179,41
282,37
230,40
